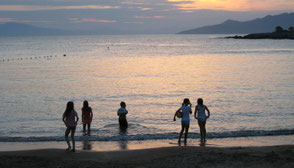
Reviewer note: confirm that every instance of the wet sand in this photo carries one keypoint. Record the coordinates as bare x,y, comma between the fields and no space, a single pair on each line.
187,156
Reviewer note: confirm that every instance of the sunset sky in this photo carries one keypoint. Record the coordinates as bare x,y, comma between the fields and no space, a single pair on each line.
136,16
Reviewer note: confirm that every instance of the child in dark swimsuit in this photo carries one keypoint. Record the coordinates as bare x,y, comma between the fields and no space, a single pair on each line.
87,116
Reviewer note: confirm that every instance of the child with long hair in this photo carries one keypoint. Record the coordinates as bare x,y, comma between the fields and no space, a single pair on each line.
87,116
185,115
200,115
70,119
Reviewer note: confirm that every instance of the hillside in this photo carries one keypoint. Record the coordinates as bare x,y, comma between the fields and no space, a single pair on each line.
19,29
266,24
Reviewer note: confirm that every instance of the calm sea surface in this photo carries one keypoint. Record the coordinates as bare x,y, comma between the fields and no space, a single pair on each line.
248,85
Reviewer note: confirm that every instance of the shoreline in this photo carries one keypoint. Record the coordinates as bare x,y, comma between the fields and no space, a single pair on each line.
107,146
189,156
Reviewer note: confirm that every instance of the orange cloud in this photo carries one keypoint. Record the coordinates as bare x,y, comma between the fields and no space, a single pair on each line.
38,8
144,9
234,5
77,20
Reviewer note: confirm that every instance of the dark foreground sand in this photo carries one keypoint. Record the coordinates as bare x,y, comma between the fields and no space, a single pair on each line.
273,156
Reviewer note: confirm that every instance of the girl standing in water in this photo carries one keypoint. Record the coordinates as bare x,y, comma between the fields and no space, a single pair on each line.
185,115
87,116
200,115
70,119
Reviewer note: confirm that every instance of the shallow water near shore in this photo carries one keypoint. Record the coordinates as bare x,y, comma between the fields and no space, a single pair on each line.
150,144
247,85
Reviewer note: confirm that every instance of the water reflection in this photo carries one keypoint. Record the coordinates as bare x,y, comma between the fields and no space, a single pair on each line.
87,145
202,143
123,143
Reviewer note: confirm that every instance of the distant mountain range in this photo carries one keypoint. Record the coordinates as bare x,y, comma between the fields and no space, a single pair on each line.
20,29
266,24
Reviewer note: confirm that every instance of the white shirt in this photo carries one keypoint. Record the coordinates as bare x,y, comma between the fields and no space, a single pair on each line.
201,113
122,112
186,112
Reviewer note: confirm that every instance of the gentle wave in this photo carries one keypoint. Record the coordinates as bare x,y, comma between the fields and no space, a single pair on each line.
266,51
232,134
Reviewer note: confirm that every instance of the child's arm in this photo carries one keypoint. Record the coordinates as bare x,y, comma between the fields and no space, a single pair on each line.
207,111
82,115
91,114
63,119
190,108
176,114
195,112
77,117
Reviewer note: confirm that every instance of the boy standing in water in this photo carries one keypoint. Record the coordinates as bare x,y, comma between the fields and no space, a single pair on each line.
122,113
200,115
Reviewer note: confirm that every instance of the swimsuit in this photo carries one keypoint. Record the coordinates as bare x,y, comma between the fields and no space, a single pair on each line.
87,115
186,115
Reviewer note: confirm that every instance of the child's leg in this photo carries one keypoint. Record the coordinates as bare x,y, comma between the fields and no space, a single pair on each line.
186,133
181,133
73,139
89,125
127,125
204,131
84,127
66,137
201,130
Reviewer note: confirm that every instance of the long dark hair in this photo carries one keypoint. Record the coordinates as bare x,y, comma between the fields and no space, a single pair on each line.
200,101
85,106
186,102
69,108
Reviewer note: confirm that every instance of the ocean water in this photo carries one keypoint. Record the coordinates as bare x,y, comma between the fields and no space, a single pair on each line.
248,85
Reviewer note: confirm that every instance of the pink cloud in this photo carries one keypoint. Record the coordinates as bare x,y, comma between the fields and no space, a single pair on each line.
149,17
39,8
158,17
5,20
77,20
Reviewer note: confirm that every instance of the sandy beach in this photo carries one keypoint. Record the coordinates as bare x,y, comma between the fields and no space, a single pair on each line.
272,156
